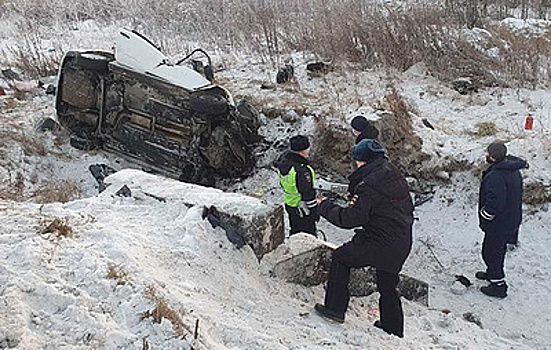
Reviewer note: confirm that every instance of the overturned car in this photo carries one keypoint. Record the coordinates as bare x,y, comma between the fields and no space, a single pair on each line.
166,117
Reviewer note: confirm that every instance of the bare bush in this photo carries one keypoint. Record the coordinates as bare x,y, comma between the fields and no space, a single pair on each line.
58,227
365,32
13,190
163,310
117,273
30,144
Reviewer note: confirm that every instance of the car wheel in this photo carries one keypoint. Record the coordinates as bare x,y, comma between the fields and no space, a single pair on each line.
206,104
96,61
84,144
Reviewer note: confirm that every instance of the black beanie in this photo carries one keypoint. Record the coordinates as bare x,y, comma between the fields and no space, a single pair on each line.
367,150
359,123
497,150
299,143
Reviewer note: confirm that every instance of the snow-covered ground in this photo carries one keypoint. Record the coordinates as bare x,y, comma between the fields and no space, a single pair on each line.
55,293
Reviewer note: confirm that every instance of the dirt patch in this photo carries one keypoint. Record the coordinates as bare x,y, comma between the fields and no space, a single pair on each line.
331,149
396,132
537,193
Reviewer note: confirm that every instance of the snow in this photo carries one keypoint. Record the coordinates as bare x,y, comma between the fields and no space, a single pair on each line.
54,292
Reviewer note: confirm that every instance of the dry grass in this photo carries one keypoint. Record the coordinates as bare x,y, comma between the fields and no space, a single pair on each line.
13,190
54,191
30,144
163,310
485,129
117,273
537,193
57,227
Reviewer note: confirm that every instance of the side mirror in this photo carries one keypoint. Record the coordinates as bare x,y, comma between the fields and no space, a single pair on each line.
209,73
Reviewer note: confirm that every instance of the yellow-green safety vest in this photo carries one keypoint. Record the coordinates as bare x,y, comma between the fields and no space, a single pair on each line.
289,184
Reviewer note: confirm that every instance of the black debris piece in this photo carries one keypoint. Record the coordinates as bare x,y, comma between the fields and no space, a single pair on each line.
463,280
10,74
318,68
50,89
285,74
465,85
427,123
124,191
48,124
100,172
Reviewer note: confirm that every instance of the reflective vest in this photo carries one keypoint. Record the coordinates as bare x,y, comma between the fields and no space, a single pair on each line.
289,184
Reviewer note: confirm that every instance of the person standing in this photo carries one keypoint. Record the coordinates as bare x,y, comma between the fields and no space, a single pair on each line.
382,209
499,214
363,129
297,179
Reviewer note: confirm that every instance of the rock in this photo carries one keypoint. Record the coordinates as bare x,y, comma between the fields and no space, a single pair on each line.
465,85
285,74
443,175
260,225
48,124
470,317
318,68
267,86
311,267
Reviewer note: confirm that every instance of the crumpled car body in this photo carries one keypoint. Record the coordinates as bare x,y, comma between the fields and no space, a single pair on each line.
167,118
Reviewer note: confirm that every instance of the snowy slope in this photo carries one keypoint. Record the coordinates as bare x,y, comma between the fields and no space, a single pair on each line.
54,293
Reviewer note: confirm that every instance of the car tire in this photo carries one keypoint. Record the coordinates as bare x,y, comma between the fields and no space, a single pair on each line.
95,61
84,144
208,104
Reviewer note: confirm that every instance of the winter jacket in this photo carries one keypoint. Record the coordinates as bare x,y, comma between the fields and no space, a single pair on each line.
500,197
304,177
369,132
382,207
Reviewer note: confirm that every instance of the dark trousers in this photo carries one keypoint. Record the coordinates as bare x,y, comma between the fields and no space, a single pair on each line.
513,239
300,224
494,247
337,295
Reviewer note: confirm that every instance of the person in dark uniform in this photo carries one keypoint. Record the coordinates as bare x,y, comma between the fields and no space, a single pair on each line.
297,180
382,211
499,214
363,129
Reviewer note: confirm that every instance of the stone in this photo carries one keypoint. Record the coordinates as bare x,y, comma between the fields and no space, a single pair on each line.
311,267
259,224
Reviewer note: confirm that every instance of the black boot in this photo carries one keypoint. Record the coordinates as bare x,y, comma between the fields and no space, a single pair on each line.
329,314
378,324
498,290
481,275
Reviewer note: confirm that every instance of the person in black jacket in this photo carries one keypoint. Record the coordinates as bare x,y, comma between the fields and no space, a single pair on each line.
363,129
499,214
382,210
297,179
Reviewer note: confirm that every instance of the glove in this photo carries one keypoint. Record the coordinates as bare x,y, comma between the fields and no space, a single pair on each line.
303,209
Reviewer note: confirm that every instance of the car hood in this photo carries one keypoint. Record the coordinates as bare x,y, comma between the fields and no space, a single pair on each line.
137,53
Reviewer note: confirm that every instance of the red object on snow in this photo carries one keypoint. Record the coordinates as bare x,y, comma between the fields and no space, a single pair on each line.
529,122
2,92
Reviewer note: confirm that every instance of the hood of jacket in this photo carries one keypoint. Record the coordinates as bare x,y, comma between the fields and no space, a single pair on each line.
509,163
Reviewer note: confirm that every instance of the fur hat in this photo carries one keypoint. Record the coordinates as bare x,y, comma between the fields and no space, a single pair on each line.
299,143
359,123
367,150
